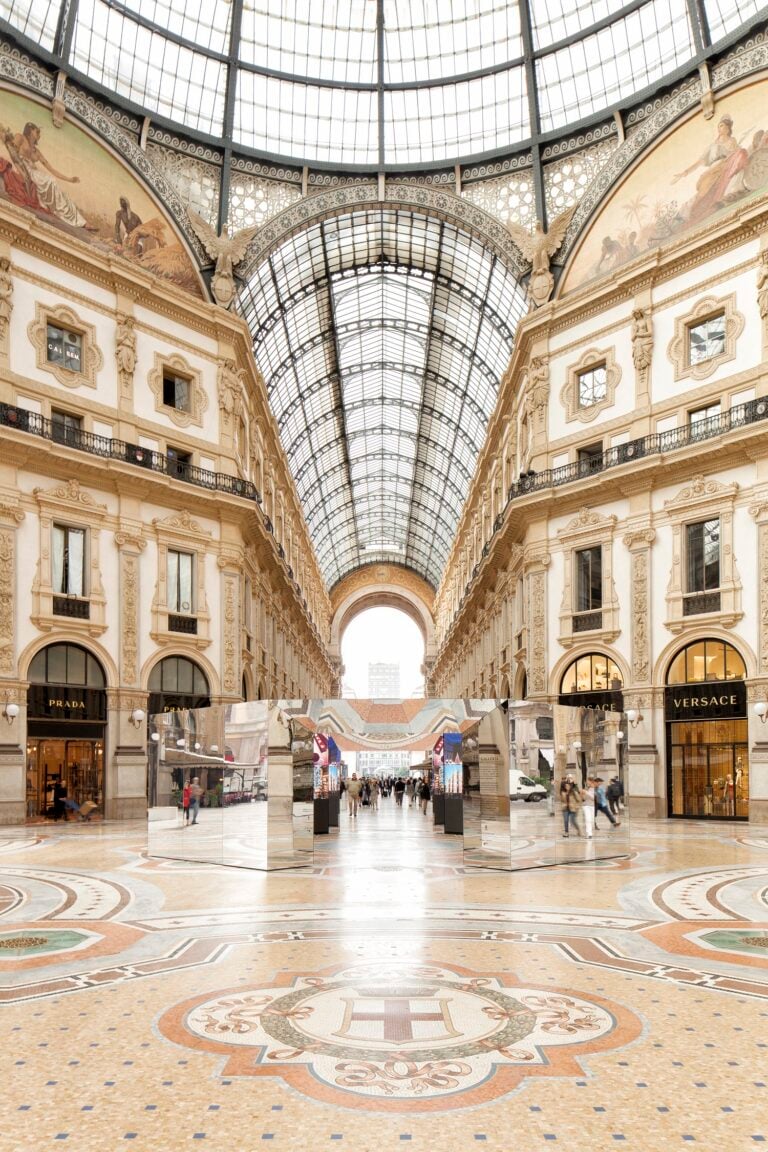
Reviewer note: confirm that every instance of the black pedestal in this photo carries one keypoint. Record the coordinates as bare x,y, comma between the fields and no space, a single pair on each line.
454,814
333,810
438,807
321,816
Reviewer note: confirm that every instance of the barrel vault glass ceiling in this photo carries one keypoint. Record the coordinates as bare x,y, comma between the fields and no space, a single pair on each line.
382,335
377,83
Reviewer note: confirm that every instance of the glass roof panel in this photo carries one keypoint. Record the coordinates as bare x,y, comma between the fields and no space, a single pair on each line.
423,39
618,61
36,19
318,124
724,16
207,25
382,368
334,40
134,60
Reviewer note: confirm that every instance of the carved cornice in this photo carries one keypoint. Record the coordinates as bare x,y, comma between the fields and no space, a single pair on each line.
70,494
180,522
700,490
586,522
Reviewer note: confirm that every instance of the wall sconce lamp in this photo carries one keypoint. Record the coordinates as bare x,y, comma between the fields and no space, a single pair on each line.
761,710
214,747
197,746
180,743
137,717
10,712
155,737
633,716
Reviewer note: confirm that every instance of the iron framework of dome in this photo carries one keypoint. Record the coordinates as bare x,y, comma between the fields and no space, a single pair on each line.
378,84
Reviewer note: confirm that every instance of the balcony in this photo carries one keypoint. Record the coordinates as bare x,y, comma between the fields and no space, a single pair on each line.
697,602
72,606
185,624
587,621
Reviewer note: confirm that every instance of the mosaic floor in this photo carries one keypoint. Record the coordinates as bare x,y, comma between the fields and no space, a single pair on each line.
388,996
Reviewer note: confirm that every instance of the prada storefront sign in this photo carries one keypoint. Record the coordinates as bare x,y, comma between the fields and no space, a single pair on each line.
54,702
714,701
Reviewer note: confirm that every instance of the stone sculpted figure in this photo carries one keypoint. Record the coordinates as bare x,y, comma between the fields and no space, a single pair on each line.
642,339
539,249
227,251
762,285
6,296
125,350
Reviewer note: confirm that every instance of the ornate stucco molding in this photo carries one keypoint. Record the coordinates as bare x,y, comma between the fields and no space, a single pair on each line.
639,541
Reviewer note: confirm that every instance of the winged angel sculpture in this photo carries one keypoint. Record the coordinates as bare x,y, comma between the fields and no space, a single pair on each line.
539,248
227,251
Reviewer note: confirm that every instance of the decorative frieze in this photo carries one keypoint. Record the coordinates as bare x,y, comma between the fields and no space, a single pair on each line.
759,510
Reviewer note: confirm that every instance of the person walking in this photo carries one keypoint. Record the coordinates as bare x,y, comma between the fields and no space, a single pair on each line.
342,792
195,795
185,798
353,792
615,795
424,796
374,794
588,807
601,800
570,803
399,791
409,791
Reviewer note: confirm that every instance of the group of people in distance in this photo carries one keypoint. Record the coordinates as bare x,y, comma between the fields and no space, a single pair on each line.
582,806
366,791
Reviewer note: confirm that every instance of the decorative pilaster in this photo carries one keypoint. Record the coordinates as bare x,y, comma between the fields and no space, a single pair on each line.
229,565
10,518
536,564
639,541
759,510
131,544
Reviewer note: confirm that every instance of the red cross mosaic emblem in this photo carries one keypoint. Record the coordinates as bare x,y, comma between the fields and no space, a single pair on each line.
394,1036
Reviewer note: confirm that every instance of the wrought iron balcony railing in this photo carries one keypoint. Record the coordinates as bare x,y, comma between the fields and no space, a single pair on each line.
741,415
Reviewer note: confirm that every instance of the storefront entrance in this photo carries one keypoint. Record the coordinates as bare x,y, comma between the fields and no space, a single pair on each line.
66,727
706,720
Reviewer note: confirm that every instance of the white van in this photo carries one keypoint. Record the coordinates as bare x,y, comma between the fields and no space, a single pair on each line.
523,788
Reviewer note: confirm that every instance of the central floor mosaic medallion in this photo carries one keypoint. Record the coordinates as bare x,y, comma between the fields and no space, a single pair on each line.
395,1036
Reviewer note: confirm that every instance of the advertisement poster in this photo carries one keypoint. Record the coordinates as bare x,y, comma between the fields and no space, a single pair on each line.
334,765
320,763
453,769
437,766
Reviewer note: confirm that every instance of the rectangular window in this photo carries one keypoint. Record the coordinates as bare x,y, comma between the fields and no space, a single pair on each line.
176,392
180,570
711,412
65,428
68,561
593,386
590,459
589,579
706,339
178,463
64,348
703,556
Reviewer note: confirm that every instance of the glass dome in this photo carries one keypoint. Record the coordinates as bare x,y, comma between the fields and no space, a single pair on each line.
377,84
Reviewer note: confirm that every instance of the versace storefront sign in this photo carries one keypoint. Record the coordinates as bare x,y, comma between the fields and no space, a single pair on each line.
714,701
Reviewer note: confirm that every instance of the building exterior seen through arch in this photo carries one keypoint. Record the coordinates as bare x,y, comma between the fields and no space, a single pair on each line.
507,373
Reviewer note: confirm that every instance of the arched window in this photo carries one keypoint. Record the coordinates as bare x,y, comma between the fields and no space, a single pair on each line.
706,660
66,664
178,676
591,673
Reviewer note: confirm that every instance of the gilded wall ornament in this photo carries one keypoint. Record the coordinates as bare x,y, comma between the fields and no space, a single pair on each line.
6,300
